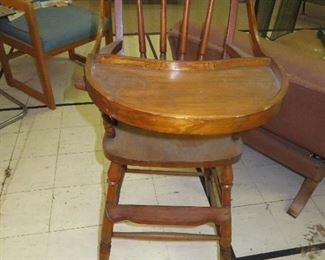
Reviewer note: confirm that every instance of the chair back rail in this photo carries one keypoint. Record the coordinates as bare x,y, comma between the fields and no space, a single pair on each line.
29,13
141,32
17,4
229,51
163,29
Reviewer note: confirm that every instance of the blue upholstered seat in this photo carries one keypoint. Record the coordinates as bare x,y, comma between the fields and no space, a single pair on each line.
58,26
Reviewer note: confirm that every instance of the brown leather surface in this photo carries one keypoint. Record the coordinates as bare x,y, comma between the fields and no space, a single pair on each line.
134,144
282,151
302,117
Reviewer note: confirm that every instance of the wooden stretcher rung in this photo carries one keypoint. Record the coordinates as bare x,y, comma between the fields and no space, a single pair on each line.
168,215
166,236
173,173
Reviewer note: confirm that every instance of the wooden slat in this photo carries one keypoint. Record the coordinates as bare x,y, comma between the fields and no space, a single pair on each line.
173,173
166,236
163,29
206,31
232,21
253,29
100,28
184,30
168,215
142,39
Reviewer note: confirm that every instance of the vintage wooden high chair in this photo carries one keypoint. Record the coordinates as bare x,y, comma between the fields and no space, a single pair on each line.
186,114
44,33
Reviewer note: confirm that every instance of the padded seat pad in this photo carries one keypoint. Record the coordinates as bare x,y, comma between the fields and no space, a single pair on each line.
58,26
141,147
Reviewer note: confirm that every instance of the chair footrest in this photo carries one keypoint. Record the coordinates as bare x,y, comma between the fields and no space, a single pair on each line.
166,236
168,215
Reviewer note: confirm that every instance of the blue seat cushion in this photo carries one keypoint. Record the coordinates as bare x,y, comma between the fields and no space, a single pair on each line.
58,26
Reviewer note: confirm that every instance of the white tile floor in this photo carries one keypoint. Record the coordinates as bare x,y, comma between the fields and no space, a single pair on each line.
54,196
52,204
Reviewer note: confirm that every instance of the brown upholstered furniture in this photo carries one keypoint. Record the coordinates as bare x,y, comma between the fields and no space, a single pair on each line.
296,137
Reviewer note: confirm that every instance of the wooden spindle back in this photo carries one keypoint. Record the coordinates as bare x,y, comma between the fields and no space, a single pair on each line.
184,25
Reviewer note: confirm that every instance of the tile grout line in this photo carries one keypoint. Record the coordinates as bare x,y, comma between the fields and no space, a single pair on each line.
46,232
55,172
163,228
9,174
318,208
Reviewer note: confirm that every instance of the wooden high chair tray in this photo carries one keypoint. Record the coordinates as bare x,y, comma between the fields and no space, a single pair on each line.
186,97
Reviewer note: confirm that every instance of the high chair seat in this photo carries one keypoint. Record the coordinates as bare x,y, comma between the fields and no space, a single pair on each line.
147,148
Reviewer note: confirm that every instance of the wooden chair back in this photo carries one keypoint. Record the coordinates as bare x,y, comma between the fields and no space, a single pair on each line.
27,8
229,50
34,46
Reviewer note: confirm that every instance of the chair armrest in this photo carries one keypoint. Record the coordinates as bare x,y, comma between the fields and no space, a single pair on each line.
29,13
20,5
105,10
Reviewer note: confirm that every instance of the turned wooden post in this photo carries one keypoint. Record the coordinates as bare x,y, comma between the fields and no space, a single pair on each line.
115,174
226,179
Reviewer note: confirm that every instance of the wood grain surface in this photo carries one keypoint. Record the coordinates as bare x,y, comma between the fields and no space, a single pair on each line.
187,97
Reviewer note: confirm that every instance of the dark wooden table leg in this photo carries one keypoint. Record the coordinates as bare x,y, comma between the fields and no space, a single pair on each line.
306,190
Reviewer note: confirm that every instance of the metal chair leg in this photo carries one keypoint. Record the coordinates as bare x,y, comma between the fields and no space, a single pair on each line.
15,118
22,113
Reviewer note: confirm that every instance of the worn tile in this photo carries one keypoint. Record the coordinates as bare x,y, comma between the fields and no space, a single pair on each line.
33,174
245,194
252,158
320,190
193,250
42,143
139,191
137,249
255,231
25,213
20,144
46,119
86,115
11,146
238,165
6,166
320,203
77,207
80,139
276,182
176,191
29,247
307,229
241,175
79,169
7,145
75,244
